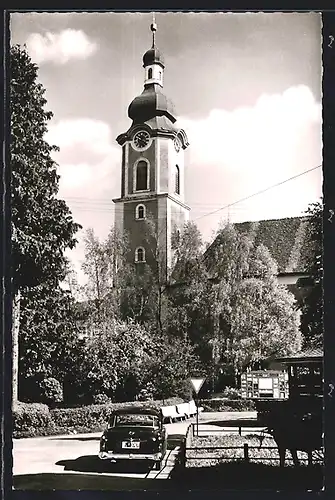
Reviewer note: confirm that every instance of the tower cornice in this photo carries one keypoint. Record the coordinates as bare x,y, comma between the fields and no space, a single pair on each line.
138,198
170,133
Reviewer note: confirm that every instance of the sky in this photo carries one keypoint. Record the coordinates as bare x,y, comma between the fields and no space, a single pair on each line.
246,87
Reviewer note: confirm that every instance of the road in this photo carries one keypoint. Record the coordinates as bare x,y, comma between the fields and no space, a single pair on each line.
70,462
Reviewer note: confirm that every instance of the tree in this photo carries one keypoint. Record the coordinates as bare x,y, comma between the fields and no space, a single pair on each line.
312,306
98,267
119,288
150,279
117,359
188,292
50,344
115,288
171,367
126,358
253,316
139,295
42,225
263,322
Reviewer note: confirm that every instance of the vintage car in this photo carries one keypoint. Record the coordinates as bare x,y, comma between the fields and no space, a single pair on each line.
134,434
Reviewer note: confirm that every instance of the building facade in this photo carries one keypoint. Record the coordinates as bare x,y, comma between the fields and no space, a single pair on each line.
152,202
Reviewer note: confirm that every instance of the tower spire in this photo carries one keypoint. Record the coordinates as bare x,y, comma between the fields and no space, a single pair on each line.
153,28
153,61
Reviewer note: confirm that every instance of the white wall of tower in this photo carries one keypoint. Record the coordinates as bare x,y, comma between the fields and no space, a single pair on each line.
156,75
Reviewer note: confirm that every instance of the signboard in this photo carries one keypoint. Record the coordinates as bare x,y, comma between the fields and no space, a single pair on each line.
265,383
197,383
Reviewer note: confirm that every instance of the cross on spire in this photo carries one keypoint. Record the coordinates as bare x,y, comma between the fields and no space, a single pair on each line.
153,28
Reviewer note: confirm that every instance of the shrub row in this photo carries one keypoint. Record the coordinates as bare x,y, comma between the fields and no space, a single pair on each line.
227,404
35,419
28,416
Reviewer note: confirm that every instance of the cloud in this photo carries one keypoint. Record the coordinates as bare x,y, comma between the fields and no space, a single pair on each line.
88,163
89,166
60,47
235,154
93,135
90,181
254,138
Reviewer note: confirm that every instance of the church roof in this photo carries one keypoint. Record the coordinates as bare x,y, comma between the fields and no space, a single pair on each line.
288,240
153,56
308,354
152,102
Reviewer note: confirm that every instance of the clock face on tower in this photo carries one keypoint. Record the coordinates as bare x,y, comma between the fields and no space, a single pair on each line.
141,140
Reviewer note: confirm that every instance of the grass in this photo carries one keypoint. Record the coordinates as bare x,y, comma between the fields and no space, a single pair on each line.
258,454
226,469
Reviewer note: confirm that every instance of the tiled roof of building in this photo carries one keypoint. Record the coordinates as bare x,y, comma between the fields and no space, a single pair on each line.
288,241
312,353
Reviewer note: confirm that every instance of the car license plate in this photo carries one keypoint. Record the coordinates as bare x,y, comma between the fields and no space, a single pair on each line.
133,445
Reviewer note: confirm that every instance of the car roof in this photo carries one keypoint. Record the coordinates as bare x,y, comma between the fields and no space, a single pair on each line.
131,410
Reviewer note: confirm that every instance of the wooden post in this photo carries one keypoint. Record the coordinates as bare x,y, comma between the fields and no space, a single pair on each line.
197,416
246,452
310,458
183,453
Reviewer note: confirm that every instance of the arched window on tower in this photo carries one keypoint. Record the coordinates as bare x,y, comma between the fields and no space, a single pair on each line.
140,212
160,75
177,180
149,73
141,177
139,254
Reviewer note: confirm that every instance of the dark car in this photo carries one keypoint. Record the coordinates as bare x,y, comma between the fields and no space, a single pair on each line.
134,434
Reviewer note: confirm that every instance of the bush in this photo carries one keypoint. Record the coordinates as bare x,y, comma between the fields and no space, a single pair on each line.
227,404
29,418
100,399
37,420
145,394
94,418
232,393
51,391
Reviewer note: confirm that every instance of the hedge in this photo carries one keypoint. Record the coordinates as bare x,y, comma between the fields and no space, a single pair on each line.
27,417
36,419
226,404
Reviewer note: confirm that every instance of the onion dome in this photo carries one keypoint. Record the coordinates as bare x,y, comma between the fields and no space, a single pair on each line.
152,102
153,56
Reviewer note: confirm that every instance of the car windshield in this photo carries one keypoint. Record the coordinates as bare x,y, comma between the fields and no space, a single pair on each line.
134,419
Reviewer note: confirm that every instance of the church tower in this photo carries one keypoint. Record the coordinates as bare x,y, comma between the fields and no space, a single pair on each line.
152,180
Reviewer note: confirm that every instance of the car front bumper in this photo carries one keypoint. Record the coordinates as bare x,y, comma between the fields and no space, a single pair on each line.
109,455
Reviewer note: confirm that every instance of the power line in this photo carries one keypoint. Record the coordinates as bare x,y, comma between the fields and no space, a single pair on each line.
107,205
259,192
110,203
